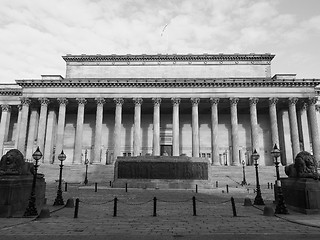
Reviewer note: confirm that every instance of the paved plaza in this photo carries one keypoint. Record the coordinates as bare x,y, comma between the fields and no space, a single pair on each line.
174,216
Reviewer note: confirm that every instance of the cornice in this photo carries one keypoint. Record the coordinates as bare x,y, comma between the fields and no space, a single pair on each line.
169,83
10,91
204,58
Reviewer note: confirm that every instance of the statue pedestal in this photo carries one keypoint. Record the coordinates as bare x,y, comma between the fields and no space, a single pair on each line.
302,194
161,172
15,191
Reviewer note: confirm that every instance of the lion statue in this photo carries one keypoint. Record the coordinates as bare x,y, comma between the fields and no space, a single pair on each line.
304,166
13,163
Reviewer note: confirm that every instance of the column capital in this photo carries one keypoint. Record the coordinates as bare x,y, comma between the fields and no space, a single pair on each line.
100,100
253,101
62,101
312,100
118,101
44,101
195,101
317,108
19,106
292,100
81,101
273,101
175,101
304,105
156,101
6,108
25,101
137,101
214,101
234,101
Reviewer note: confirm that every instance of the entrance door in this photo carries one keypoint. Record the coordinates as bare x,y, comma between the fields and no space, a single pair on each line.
166,150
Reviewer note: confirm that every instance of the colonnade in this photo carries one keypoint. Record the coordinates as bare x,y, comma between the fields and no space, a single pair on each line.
39,123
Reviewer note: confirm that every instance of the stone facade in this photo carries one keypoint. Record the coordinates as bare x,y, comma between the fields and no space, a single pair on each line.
220,107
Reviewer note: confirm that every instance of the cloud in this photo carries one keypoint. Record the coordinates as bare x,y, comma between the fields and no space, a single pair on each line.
34,34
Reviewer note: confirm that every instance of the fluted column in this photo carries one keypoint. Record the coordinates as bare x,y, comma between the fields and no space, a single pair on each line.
175,127
6,109
254,123
117,128
18,126
23,125
156,126
294,132
32,133
79,131
314,128
137,126
61,122
234,131
195,127
304,128
50,135
214,131
98,130
42,123
274,121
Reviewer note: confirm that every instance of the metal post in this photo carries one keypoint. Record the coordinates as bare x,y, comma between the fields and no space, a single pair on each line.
59,200
126,187
76,209
233,207
217,184
244,182
154,206
196,188
258,199
227,186
65,186
115,207
194,206
95,187
86,162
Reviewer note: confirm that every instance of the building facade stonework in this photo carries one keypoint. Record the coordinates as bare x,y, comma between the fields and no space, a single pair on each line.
215,106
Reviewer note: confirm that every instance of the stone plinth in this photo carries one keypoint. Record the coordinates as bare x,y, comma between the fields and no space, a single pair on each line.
162,172
302,194
15,192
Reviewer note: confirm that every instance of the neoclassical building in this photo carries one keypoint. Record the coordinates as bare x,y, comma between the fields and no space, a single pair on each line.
215,106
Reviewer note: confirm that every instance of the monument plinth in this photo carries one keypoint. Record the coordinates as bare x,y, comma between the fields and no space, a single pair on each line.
161,171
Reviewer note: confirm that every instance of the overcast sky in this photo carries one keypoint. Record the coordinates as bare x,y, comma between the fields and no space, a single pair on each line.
34,34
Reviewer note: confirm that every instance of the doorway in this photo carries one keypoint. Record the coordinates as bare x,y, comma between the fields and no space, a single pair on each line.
166,150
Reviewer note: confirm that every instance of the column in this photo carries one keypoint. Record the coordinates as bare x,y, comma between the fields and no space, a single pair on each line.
274,121
214,131
98,130
42,123
18,126
304,128
195,127
6,109
156,126
60,131
254,123
175,127
234,131
314,129
294,132
23,125
32,133
49,154
117,127
79,130
137,127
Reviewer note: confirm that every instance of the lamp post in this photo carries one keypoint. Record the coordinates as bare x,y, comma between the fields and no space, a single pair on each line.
86,162
59,200
32,209
281,206
258,199
244,182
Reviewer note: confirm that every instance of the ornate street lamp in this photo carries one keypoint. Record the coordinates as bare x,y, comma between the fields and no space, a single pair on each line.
258,199
244,182
59,200
32,209
281,206
86,162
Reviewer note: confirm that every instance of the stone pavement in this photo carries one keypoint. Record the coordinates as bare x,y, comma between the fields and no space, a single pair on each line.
214,216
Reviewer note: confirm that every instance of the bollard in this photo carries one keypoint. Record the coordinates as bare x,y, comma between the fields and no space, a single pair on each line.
194,206
227,188
154,206
115,207
217,184
65,186
95,187
233,207
196,188
126,187
76,209
271,186
110,183
268,185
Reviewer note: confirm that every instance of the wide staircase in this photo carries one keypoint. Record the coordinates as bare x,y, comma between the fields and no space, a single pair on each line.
103,174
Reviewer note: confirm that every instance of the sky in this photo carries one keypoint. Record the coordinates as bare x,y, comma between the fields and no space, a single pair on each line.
34,34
